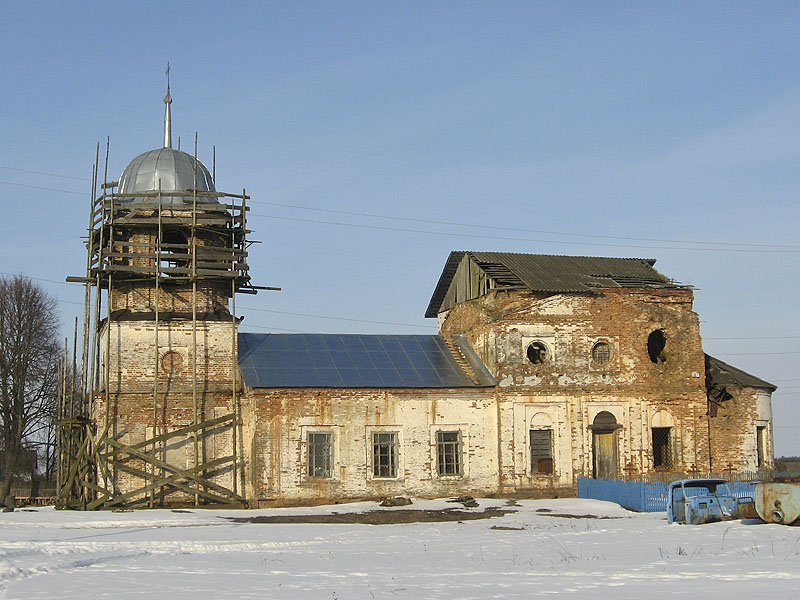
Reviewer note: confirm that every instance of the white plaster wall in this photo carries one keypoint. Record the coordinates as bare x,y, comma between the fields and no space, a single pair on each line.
352,418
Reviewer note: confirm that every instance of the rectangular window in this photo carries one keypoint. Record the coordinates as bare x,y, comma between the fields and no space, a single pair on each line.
320,454
384,454
761,444
662,447
541,450
448,452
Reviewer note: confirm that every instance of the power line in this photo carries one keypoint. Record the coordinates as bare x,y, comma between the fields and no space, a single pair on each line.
247,308
779,337
281,312
70,302
70,283
501,228
729,246
37,187
250,326
45,173
515,239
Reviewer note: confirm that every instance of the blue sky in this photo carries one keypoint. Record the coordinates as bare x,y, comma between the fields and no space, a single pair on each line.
663,130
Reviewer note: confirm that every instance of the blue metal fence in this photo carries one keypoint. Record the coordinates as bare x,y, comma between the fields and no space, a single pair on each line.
639,495
633,495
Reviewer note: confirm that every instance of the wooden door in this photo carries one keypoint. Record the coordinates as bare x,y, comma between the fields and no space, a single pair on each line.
604,451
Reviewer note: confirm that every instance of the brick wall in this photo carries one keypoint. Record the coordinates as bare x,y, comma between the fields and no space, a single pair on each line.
734,431
174,294
133,363
570,388
566,393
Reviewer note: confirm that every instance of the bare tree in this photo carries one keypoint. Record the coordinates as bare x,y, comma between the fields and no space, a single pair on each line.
28,369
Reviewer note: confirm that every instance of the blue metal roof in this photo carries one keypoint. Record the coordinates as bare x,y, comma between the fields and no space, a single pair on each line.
271,360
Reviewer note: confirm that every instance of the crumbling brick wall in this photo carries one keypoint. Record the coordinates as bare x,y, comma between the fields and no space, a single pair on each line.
571,388
735,426
136,372
132,360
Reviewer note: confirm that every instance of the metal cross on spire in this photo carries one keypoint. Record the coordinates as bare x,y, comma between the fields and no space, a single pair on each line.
167,116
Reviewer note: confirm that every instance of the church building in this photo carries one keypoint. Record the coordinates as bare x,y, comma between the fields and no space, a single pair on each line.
544,369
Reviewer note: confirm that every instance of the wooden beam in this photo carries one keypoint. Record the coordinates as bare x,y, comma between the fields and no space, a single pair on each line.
171,468
173,480
184,430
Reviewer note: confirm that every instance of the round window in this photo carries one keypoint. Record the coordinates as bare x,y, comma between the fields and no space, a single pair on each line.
537,353
172,362
601,353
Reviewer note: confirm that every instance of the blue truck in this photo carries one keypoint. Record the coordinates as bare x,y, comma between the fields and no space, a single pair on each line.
698,501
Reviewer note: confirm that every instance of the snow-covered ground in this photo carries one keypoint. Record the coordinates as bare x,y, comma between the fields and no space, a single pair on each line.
202,554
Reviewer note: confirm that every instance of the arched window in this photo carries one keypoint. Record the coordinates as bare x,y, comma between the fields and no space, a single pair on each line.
604,421
601,353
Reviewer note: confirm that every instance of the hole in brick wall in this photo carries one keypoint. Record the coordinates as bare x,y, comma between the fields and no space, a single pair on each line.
174,250
656,342
537,353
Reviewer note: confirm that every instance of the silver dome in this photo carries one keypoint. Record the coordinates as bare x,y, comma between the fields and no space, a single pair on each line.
174,168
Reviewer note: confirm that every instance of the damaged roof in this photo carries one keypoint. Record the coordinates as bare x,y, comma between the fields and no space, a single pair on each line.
554,273
721,374
273,360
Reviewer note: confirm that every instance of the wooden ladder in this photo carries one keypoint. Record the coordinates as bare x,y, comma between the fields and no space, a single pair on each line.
461,360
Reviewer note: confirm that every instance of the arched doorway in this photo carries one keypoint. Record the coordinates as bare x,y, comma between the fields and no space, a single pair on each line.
604,446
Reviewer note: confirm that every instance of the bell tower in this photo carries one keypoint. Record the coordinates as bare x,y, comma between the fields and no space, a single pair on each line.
167,254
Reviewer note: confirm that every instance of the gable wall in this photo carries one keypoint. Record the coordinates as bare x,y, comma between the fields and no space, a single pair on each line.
571,389
469,282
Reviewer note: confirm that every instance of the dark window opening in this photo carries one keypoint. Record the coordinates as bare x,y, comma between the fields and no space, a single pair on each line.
173,250
384,454
320,453
761,445
448,452
541,451
656,342
537,353
662,447
601,353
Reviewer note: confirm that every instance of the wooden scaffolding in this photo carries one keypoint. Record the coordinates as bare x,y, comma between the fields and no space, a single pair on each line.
91,453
